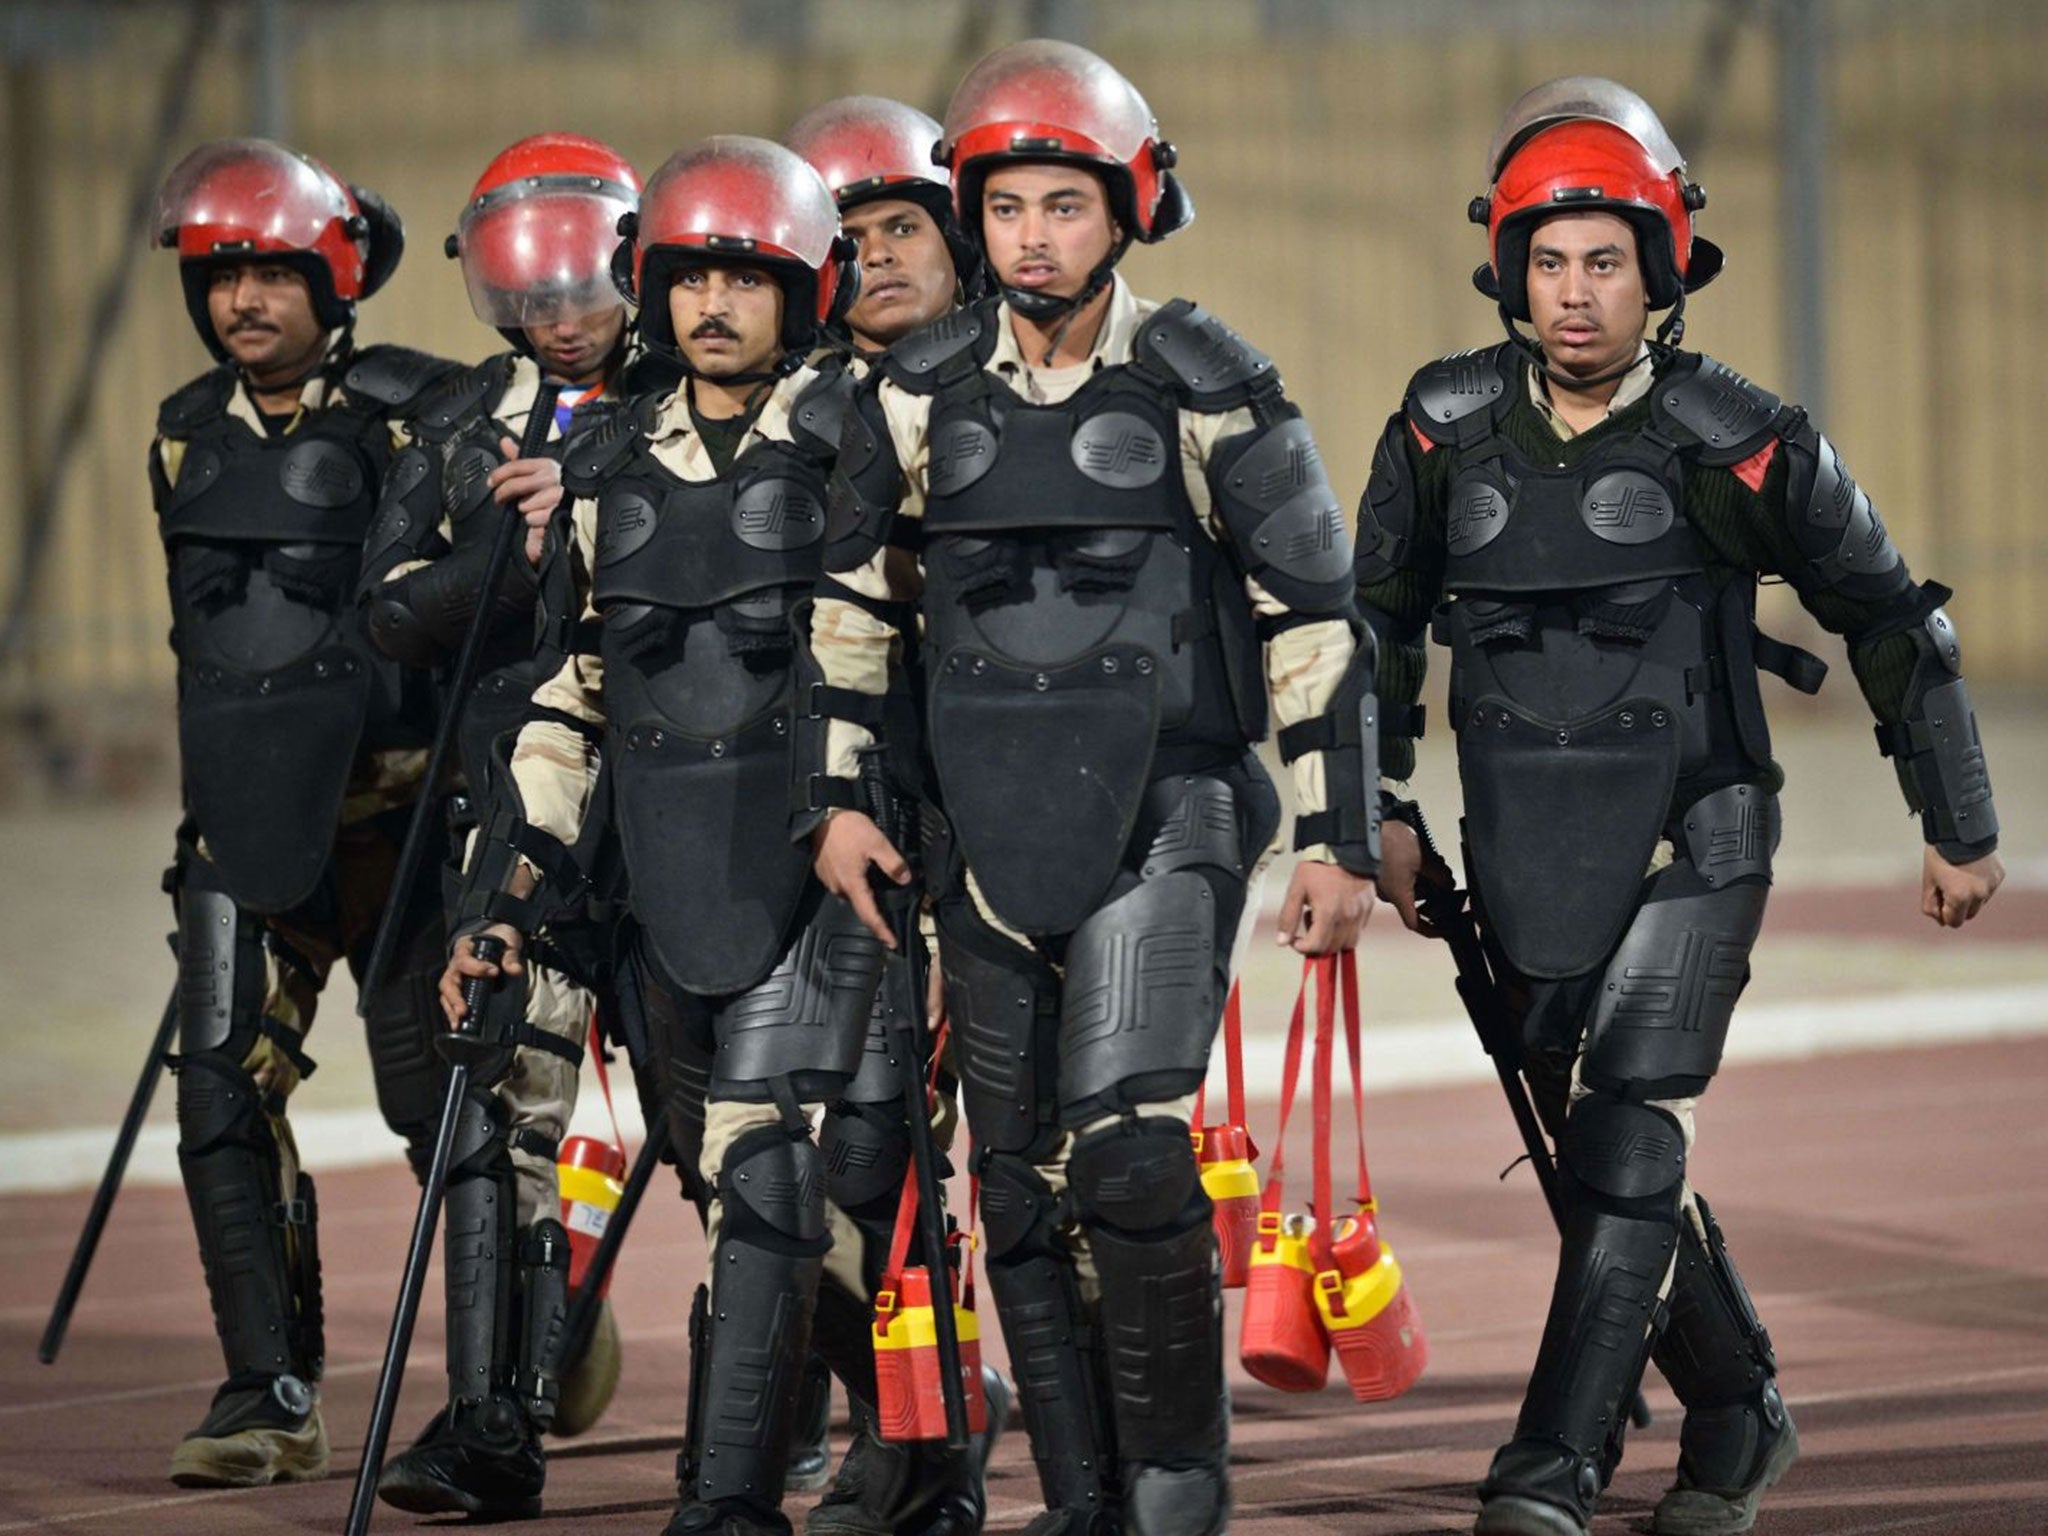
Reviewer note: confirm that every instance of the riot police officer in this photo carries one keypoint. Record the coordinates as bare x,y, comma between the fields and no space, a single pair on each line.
698,524
300,751
897,208
535,240
1593,510
1120,540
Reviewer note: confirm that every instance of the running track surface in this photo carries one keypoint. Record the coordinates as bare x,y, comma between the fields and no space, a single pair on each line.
1886,1209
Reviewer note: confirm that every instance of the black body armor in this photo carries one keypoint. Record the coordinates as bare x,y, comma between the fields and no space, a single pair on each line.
1084,631
695,582
1594,667
279,690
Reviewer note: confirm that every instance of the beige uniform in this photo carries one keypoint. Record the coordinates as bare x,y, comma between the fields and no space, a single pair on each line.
555,766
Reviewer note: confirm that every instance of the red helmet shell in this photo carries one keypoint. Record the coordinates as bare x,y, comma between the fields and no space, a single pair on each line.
868,147
1044,100
740,199
537,235
238,198
1592,164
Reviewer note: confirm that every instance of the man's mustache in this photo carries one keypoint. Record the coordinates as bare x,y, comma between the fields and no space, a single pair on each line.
714,328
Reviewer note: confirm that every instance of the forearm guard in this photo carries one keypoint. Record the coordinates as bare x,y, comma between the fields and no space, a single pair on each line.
502,841
815,789
1347,734
1938,747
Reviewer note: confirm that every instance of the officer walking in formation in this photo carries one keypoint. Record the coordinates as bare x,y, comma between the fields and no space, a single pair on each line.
896,207
300,753
1100,508
535,242
1586,513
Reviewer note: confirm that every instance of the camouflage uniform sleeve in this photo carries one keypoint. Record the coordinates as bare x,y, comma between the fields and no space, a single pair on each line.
554,759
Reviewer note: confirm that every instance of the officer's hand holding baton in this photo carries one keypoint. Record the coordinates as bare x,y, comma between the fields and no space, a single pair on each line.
845,846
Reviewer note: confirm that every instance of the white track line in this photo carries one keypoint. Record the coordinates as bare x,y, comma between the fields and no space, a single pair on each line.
1398,1056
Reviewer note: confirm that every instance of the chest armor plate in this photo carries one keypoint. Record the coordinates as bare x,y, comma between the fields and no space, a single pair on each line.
1076,618
1512,525
695,581
276,683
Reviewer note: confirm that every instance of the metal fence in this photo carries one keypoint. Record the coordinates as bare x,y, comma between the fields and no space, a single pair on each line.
1331,146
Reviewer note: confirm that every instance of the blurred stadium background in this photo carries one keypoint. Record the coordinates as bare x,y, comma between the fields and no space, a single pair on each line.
1878,172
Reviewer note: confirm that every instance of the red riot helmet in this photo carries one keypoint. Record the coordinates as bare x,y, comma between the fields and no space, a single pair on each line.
1044,101
240,200
537,235
869,148
1586,144
746,201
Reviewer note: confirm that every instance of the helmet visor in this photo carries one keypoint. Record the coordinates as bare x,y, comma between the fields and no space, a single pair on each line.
246,196
1589,97
540,249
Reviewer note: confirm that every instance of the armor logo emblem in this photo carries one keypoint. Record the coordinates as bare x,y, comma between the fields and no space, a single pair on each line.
1627,507
962,451
467,471
778,514
625,521
321,474
1119,450
1319,538
1302,462
1707,968
1478,513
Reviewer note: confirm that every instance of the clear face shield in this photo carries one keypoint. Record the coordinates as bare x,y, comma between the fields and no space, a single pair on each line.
249,196
1582,97
539,250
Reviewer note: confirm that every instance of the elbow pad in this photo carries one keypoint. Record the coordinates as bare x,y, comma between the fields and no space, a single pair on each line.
425,613
1386,512
1834,525
1937,743
1285,521
1347,733
408,517
866,486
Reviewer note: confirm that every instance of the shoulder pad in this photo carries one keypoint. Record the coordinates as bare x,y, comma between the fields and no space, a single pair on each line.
591,456
1715,407
197,403
1205,357
461,396
1446,395
914,361
393,377
815,416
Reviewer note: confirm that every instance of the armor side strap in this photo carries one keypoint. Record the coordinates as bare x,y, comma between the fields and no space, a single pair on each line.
814,789
502,842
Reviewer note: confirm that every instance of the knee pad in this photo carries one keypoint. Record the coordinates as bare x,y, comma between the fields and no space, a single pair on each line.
220,966
1625,1159
219,1105
1019,1211
771,1193
865,1149
1138,1177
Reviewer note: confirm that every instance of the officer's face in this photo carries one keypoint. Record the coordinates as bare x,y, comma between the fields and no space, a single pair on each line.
263,314
574,349
1587,298
906,271
1045,227
728,319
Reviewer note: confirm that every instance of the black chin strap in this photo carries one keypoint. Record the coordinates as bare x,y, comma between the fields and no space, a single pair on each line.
1041,307
1670,331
